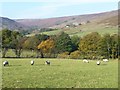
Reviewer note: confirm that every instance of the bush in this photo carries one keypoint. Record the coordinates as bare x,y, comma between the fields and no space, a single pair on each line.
75,55
63,55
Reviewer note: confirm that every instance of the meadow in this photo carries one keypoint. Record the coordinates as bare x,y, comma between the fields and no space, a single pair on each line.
83,30
62,73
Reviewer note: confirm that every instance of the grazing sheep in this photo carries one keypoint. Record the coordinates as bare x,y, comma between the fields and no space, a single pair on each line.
32,62
105,60
47,62
5,63
98,62
85,61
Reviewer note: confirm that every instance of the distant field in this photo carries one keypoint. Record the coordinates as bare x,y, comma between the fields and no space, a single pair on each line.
84,30
62,73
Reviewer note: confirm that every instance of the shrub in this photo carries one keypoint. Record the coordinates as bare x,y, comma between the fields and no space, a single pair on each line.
63,55
75,55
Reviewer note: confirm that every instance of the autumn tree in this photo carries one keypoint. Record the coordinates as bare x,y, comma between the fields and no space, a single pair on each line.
46,47
32,42
89,45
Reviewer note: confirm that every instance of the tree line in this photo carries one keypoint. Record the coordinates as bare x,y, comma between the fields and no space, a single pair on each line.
92,46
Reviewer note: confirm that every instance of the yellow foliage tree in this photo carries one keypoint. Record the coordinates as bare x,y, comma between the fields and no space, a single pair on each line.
46,46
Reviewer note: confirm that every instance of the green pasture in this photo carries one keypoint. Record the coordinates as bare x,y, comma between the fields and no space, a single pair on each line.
62,73
84,30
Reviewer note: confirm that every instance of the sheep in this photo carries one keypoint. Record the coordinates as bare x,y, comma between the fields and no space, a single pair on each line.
85,61
98,62
5,63
105,60
47,62
32,62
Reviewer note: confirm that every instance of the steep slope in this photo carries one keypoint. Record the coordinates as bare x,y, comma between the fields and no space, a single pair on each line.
113,21
101,22
11,24
61,21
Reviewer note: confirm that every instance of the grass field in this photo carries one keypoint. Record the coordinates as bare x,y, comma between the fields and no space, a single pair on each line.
84,30
62,73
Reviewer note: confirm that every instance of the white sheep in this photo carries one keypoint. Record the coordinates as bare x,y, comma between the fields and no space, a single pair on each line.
98,62
47,62
5,63
105,60
85,61
32,62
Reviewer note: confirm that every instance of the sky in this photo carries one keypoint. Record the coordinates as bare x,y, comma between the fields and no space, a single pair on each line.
34,9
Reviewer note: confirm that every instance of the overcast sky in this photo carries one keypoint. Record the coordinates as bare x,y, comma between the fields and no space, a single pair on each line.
47,9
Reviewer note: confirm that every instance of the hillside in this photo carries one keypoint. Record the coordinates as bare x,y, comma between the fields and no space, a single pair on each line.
11,24
113,20
62,21
105,22
81,25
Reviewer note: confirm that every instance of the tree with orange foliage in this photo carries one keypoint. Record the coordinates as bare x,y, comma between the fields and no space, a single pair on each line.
46,46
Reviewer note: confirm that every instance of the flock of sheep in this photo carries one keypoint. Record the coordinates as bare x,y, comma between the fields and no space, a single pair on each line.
98,62
48,62
32,63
